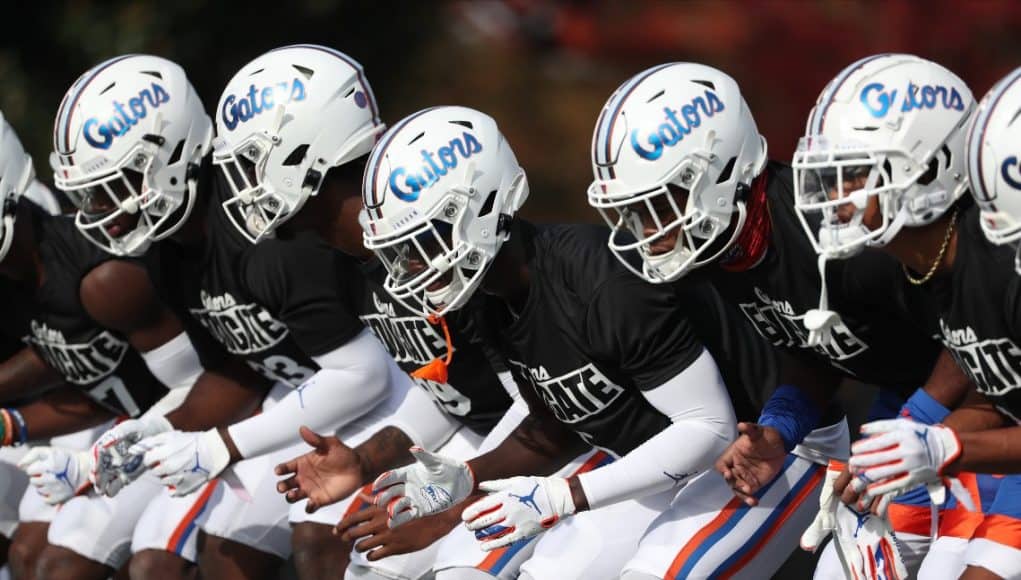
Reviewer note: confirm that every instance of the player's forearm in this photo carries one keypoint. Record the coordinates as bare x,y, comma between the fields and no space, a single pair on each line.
947,383
993,451
535,447
976,413
386,449
25,373
61,411
220,397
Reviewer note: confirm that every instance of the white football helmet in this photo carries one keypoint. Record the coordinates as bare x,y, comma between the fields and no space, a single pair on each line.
994,140
16,176
128,140
674,130
283,121
890,126
440,191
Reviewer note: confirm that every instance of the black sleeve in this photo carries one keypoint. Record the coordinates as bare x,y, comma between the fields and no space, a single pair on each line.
641,329
304,284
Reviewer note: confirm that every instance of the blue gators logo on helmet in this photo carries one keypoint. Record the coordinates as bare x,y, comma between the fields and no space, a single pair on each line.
435,165
239,109
677,126
1008,163
879,101
101,133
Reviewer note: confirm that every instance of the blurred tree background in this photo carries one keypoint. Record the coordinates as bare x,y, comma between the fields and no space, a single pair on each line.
542,68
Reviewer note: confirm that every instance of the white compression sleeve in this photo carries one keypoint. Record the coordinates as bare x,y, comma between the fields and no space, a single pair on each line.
421,419
353,379
703,424
176,364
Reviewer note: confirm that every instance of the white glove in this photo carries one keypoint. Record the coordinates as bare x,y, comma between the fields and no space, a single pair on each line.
57,474
866,546
901,454
113,465
518,508
432,484
826,520
184,460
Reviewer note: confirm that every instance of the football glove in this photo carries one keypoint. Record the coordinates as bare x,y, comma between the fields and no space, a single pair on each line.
184,460
432,484
866,545
901,454
518,508
113,465
57,474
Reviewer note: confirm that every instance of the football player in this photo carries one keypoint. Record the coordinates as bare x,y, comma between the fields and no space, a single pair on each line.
962,258
281,304
683,179
603,359
129,138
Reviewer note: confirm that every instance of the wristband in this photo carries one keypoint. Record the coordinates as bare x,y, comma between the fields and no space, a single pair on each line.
792,413
22,429
8,422
923,408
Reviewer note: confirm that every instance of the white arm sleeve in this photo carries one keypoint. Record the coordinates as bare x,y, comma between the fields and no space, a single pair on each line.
703,424
176,364
421,419
353,379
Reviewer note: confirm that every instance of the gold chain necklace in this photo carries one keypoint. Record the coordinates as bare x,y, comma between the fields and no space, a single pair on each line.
939,256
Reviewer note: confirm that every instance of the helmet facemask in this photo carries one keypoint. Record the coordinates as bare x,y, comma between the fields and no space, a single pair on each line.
834,183
429,268
127,188
642,221
254,209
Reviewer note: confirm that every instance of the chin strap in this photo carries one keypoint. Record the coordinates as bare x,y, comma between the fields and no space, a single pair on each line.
820,321
436,370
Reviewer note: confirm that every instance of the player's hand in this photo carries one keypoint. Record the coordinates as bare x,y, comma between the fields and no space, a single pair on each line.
325,475
57,474
113,465
368,529
518,508
900,454
752,461
184,460
866,545
432,484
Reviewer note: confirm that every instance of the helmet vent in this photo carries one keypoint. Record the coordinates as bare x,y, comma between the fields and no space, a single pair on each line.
946,156
930,174
176,155
728,169
705,84
307,72
349,92
487,207
467,124
296,156
656,96
417,137
112,85
255,72
867,128
153,73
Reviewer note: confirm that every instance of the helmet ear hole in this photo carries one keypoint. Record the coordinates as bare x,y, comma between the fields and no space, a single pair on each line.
930,175
176,155
296,156
487,207
728,170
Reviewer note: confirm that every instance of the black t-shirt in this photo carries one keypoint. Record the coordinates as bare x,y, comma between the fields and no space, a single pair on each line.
275,304
473,393
882,337
978,314
591,337
55,324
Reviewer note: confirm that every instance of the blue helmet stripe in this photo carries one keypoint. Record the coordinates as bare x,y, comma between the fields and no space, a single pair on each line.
62,128
819,112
